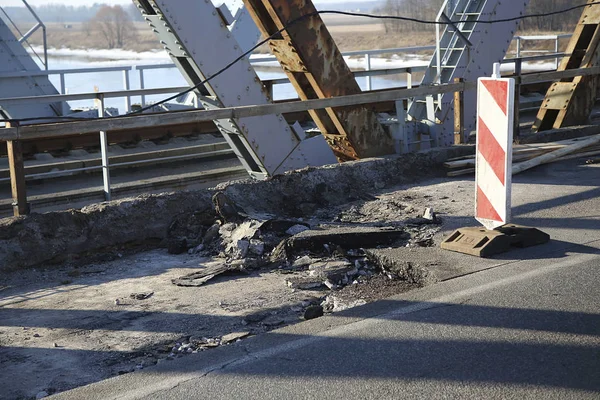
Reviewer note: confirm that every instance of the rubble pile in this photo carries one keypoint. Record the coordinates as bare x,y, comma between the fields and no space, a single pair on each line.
318,256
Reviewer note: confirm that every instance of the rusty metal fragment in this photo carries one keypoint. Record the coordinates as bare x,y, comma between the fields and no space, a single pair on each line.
316,69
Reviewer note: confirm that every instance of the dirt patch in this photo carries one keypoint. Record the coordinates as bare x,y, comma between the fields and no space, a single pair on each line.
61,236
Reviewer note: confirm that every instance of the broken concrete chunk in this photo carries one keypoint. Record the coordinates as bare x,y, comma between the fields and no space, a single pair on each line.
232,337
238,249
296,229
301,283
330,284
246,230
201,277
346,238
334,273
141,296
256,247
226,208
429,214
313,312
303,261
333,303
211,234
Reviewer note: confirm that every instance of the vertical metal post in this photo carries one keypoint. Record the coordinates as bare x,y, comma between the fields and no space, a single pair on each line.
104,151
368,68
17,175
518,46
269,87
459,114
63,89
408,78
141,72
62,83
126,86
556,47
517,122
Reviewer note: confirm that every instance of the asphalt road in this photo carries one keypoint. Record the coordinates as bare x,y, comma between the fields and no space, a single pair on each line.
526,327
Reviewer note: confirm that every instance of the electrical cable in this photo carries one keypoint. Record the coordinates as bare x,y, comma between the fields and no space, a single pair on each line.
290,24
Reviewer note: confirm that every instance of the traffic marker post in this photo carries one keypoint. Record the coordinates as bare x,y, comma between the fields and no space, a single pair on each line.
493,176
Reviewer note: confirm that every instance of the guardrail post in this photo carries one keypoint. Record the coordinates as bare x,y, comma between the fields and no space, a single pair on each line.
17,175
104,151
269,87
459,114
143,97
368,68
126,86
517,122
63,90
518,47
556,47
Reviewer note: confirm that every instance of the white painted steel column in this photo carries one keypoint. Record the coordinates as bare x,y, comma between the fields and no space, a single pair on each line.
368,68
104,152
126,86
143,97
556,47
63,90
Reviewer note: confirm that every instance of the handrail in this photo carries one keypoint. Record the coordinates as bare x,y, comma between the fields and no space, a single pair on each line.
41,131
88,96
143,92
19,74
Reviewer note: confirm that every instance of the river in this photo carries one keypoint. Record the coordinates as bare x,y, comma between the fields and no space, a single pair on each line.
171,77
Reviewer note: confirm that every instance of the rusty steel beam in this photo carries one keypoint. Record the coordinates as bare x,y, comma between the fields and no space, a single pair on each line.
316,69
570,101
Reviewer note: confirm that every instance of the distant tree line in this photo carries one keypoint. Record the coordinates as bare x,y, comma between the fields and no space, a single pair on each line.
60,13
423,10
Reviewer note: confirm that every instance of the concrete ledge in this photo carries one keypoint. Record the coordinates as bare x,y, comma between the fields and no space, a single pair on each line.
555,135
58,236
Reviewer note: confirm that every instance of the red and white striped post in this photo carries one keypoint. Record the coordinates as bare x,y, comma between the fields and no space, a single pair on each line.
495,122
495,116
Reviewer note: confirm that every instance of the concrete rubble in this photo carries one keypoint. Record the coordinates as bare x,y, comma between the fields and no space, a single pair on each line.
240,260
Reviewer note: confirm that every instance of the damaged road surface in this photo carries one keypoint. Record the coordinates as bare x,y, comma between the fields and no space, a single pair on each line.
231,279
81,322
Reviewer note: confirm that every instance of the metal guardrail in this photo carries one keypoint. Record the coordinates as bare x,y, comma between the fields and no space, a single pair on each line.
127,93
13,135
269,83
258,59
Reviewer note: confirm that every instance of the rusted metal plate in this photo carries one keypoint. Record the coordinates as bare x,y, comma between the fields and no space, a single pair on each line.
591,15
570,102
559,95
287,56
317,69
481,242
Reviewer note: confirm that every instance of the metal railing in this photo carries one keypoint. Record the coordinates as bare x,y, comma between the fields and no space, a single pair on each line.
555,38
367,71
13,135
